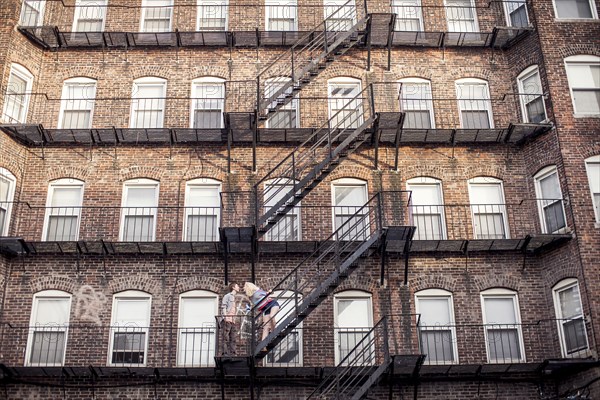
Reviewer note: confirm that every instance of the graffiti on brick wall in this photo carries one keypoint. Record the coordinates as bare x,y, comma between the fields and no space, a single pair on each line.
89,304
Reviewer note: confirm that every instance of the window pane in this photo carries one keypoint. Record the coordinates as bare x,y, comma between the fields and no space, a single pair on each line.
350,196
287,351
128,348
437,344
536,112
488,225
408,15
282,119
131,312
417,120
570,303
212,15
573,8
2,217
54,311
339,15
503,344
73,119
461,16
138,228
434,311
47,347
197,339
347,341
554,216
202,225
353,313
500,310
472,119
281,15
141,197
587,101
575,335
549,187
429,226
518,15
62,228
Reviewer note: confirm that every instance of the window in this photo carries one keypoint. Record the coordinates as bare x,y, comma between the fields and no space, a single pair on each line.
409,16
202,210
148,104
461,15
474,104
531,95
427,206
575,9
502,323
350,217
16,100
592,165
89,15
583,73
208,99
48,329
212,15
156,15
353,319
570,318
549,199
32,13
77,103
340,15
138,218
516,13
63,210
488,208
289,351
197,329
288,228
130,326
281,15
417,104
437,331
7,194
345,103
287,115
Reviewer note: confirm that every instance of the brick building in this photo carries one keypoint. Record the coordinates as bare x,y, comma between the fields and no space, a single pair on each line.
416,182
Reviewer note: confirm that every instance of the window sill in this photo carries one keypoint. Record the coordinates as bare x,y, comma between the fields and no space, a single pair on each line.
597,225
586,116
577,20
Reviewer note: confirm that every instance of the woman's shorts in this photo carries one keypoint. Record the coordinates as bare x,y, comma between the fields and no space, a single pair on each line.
267,309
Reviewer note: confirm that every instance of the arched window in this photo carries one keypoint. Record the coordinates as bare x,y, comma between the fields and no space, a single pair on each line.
592,166
208,100
417,103
286,115
281,15
48,329
350,218
212,15
437,330
63,210
427,205
197,328
7,196
156,15
461,15
488,208
289,351
409,16
516,13
550,201
77,103
502,326
32,13
148,102
531,95
582,73
90,15
130,325
138,216
474,104
202,210
353,319
345,104
569,317
18,93
289,227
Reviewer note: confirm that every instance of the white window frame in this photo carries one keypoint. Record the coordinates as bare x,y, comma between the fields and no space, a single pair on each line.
278,8
350,295
135,103
494,209
96,8
202,183
67,99
331,8
203,83
581,60
454,6
594,186
541,174
129,295
211,327
402,8
40,19
439,294
507,12
349,182
281,186
428,181
529,94
341,102
47,294
140,183
69,211
563,285
20,72
501,293
272,85
7,204
286,299
222,5
425,102
592,5
485,101
147,7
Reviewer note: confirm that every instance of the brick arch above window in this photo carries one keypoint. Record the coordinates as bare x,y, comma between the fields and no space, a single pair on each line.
411,71
424,282
78,173
359,282
352,171
211,284
81,71
472,73
11,165
203,171
492,281
142,282
53,282
136,172
579,50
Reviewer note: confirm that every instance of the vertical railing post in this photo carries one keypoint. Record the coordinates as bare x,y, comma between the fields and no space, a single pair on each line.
293,74
258,102
325,39
372,99
380,211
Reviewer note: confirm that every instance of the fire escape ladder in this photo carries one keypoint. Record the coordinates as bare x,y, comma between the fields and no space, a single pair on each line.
360,369
282,78
309,163
357,236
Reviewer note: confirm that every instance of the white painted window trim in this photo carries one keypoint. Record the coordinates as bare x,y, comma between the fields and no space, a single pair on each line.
475,16
486,101
559,287
63,182
23,73
488,180
139,182
445,295
205,294
344,80
294,104
502,293
206,80
222,4
347,182
40,11
418,8
129,294
527,73
592,5
46,294
507,13
352,295
581,60
285,295
7,176
429,181
145,6
588,161
79,9
200,183
135,106
270,4
428,100
541,174
78,81
297,210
